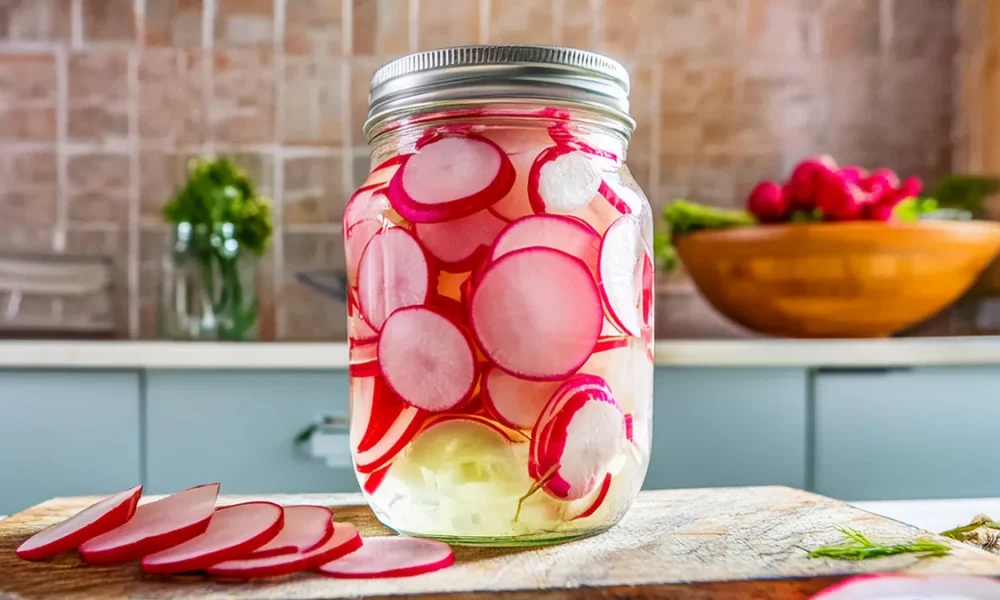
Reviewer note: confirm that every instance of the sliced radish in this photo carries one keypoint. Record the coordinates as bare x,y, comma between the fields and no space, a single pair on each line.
537,313
362,220
459,244
364,368
562,135
393,273
562,181
598,500
614,198
155,526
451,177
908,587
648,300
427,359
522,145
516,402
374,480
582,438
233,532
305,527
91,522
402,430
345,539
394,161
391,557
628,427
386,407
358,330
561,232
621,264
612,342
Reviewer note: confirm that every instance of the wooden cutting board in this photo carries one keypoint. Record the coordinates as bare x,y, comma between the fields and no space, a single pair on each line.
688,544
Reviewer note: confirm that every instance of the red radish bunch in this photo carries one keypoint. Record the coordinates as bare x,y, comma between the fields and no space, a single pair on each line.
186,533
817,187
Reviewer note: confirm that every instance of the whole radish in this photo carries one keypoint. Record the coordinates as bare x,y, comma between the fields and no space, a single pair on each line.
840,200
806,181
854,174
768,202
910,188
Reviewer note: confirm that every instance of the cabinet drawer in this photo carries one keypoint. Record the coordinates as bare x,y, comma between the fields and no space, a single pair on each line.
239,428
926,433
67,433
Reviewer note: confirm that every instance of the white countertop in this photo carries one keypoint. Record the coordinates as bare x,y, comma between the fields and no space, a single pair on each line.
726,353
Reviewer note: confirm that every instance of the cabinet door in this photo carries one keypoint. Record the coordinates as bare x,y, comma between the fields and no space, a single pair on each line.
926,433
724,427
240,428
66,433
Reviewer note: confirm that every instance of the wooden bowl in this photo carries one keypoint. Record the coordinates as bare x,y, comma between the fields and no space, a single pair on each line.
852,279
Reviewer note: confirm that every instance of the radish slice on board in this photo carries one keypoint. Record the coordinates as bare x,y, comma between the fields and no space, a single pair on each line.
394,273
427,359
562,181
451,177
522,145
234,531
907,587
516,402
345,539
621,264
537,313
92,521
305,527
581,438
399,433
391,557
561,232
460,243
155,526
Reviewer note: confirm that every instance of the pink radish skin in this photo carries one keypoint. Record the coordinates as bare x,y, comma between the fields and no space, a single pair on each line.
628,427
404,427
383,557
892,586
602,494
449,178
305,527
156,526
561,135
516,402
560,232
91,522
387,406
345,539
459,244
613,198
374,480
611,343
537,313
394,161
233,532
427,359
620,269
394,273
562,181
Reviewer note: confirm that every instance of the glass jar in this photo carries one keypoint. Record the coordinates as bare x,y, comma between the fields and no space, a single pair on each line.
499,262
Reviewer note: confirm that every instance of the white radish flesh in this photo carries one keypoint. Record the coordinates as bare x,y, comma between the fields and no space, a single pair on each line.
394,273
451,177
600,495
305,527
92,521
537,313
155,526
561,232
516,402
562,181
345,539
233,532
458,244
391,557
427,359
621,263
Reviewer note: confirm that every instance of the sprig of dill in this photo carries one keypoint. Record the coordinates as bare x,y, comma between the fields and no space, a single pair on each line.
859,547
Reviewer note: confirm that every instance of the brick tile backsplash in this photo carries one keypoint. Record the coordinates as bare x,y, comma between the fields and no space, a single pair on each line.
104,102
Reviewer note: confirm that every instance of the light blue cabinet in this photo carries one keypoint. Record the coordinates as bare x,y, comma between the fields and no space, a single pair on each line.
65,433
926,433
239,428
723,427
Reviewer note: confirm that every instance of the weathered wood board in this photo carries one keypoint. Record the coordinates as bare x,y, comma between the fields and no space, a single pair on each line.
688,544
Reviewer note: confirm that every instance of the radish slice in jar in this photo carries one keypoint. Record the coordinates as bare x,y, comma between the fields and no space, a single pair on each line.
562,181
522,145
599,497
537,313
613,198
375,407
460,243
359,331
400,432
622,252
92,521
374,480
561,232
345,539
427,359
305,527
233,532
516,402
394,273
449,178
362,220
611,342
391,557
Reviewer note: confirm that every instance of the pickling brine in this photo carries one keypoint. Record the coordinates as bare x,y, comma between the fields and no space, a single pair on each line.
500,313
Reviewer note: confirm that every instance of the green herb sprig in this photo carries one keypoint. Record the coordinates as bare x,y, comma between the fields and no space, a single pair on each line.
859,547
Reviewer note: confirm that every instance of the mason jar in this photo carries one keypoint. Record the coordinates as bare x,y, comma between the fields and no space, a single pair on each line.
500,274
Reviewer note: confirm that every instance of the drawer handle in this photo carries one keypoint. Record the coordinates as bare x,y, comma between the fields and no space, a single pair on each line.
329,423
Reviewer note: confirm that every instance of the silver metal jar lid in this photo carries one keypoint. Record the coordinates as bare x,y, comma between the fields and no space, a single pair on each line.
486,74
